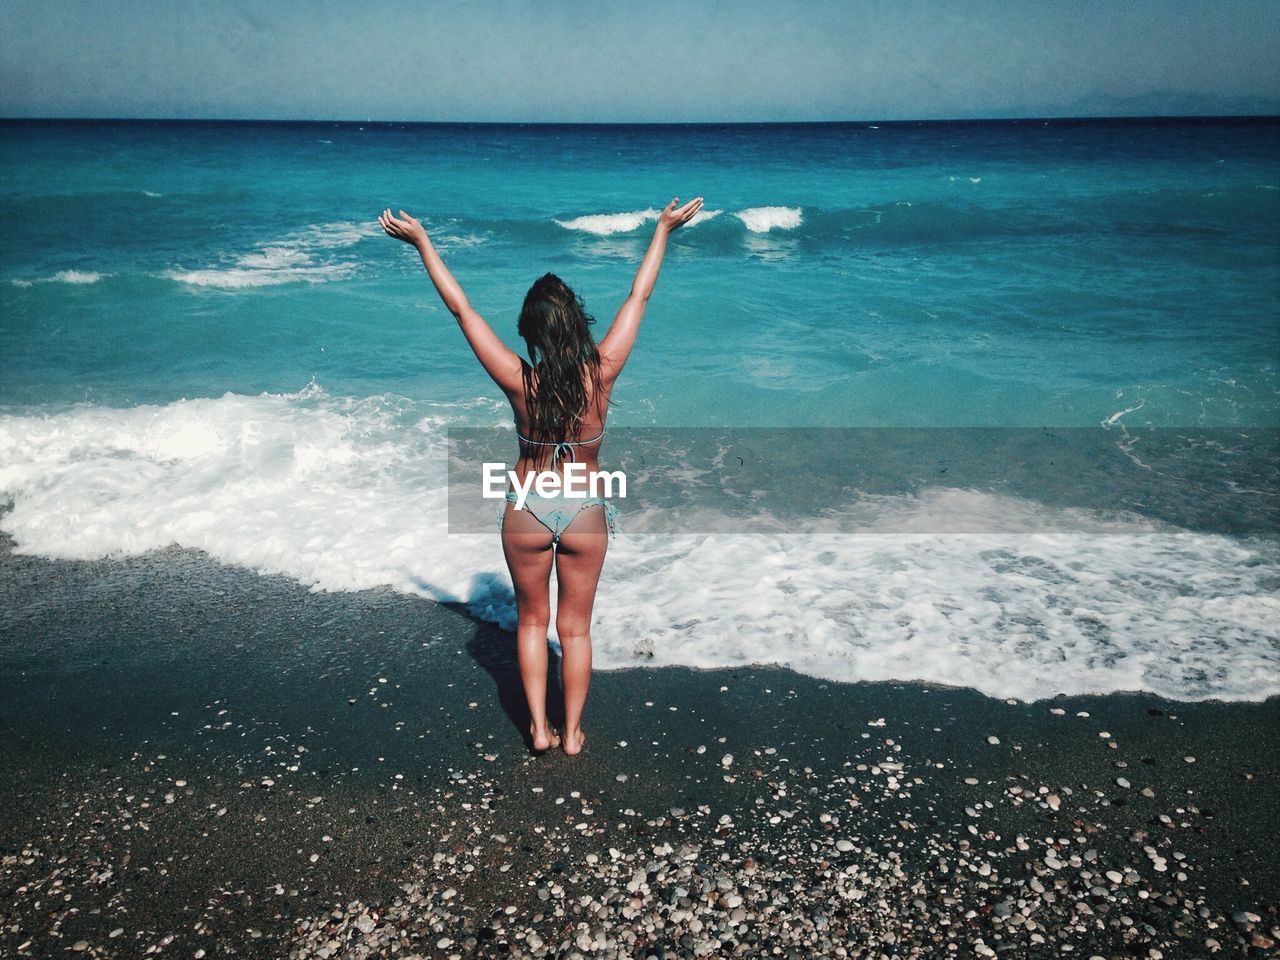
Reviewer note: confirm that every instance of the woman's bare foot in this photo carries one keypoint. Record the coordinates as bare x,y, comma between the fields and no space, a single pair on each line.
544,739
573,741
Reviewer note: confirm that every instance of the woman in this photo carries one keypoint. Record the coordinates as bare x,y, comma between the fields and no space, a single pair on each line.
560,399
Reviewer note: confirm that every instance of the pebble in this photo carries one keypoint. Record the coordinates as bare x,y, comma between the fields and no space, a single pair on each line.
750,870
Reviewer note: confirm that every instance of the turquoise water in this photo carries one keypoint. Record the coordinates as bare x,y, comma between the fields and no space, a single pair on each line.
956,274
206,340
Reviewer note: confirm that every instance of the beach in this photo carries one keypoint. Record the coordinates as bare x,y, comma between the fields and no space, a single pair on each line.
923,360
204,761
942,618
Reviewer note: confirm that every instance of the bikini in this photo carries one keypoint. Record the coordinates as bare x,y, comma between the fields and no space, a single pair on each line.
556,512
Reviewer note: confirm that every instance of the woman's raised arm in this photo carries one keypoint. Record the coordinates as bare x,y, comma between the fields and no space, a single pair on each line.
497,359
617,343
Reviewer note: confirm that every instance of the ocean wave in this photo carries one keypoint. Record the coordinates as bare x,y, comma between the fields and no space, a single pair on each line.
916,220
308,255
892,221
339,233
446,240
764,219
234,278
603,224
62,276
346,493
755,219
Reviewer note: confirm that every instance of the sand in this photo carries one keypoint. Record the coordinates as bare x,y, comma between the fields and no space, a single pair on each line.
202,761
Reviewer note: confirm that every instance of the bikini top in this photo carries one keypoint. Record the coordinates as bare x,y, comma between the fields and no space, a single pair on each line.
562,447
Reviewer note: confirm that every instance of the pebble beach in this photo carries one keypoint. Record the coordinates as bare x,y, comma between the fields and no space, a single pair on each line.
204,762
939,617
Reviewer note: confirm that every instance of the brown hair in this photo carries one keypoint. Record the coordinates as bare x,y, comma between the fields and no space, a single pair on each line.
563,359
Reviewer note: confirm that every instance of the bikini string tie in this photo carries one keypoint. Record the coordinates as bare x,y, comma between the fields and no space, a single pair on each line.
559,453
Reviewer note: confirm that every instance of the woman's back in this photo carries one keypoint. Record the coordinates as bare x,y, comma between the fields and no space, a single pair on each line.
578,440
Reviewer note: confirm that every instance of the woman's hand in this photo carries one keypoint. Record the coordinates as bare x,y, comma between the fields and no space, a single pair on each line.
405,228
673,216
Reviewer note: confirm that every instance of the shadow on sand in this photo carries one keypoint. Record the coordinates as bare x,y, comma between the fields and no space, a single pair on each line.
494,649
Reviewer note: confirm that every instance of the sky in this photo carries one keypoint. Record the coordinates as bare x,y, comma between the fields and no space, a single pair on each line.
628,61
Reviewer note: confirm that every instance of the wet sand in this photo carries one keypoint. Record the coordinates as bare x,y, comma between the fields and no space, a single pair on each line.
199,761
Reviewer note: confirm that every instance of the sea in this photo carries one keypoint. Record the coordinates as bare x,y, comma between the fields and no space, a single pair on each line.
1018,382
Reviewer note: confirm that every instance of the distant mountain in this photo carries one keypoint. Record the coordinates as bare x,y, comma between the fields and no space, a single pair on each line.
1166,103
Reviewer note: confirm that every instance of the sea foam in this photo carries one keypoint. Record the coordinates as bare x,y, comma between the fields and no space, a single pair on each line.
764,219
755,219
309,255
62,276
603,224
346,493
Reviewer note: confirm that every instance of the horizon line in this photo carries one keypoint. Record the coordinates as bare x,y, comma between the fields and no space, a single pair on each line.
653,123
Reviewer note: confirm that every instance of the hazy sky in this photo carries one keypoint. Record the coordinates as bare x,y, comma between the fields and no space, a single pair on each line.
578,60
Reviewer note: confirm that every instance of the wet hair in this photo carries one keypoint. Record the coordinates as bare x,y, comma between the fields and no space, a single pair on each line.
563,359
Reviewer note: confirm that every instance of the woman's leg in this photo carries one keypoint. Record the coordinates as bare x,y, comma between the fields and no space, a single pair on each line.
578,561
527,546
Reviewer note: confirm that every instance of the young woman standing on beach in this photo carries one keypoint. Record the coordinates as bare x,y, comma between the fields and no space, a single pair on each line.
560,399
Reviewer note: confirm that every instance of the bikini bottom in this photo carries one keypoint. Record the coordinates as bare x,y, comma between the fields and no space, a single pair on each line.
557,512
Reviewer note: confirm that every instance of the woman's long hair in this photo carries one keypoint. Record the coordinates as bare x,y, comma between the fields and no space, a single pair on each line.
564,364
